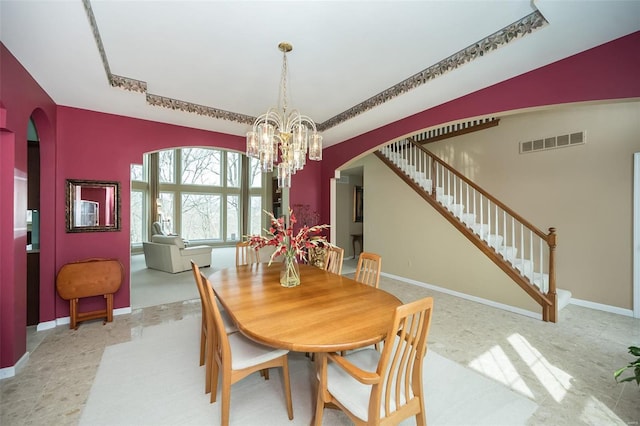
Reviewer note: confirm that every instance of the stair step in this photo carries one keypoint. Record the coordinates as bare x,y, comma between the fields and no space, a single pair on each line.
564,297
481,229
468,218
508,252
525,266
445,200
541,281
426,184
494,240
456,209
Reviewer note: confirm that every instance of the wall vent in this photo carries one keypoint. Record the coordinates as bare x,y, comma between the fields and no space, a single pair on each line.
552,142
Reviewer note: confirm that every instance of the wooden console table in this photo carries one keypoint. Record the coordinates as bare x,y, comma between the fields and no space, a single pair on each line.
87,278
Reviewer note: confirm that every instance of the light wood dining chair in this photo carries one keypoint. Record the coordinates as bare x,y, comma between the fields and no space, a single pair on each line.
368,269
381,388
229,325
234,357
245,254
333,259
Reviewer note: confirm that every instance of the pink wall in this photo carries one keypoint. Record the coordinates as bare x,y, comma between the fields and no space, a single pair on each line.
21,97
80,144
609,71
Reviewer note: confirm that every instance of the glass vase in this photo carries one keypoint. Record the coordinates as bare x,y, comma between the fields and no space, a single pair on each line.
290,272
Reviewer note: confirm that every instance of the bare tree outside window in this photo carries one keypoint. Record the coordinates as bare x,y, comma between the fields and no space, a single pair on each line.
233,217
201,218
200,194
137,173
166,160
233,170
137,217
201,166
255,174
255,215
166,212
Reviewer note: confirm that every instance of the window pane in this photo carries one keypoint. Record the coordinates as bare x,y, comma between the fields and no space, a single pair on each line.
166,212
166,162
255,174
233,170
137,217
201,216
233,217
137,172
255,215
201,166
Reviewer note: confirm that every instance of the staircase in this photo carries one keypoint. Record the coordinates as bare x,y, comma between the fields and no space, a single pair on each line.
522,251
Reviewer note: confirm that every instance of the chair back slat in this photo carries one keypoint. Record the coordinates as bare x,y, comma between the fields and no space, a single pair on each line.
333,260
245,254
402,359
368,269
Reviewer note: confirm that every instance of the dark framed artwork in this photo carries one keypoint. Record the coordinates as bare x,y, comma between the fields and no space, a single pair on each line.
358,206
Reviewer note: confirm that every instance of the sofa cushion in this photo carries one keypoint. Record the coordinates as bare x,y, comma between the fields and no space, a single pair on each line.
192,251
168,239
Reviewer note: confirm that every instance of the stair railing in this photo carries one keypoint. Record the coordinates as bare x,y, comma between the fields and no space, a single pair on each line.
519,248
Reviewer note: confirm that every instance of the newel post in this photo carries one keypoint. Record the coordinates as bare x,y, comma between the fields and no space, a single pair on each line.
552,241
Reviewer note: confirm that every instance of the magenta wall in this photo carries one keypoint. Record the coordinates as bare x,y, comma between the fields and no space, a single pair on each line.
609,71
20,98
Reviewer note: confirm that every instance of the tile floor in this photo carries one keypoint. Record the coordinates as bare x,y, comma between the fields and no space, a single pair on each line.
566,368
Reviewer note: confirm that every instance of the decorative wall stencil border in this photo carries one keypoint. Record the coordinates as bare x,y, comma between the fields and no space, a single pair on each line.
157,100
498,39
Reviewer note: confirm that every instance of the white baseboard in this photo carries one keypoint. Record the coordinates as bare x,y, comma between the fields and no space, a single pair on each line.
66,320
602,307
47,325
572,301
7,372
467,297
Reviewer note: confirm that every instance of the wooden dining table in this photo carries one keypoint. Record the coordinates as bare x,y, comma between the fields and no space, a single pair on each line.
325,313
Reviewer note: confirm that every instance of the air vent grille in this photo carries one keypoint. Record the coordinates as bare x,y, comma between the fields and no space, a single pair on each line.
552,142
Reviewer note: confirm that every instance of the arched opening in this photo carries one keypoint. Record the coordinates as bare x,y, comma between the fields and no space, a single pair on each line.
33,225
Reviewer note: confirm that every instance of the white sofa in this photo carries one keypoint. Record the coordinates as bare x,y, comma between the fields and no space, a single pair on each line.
168,253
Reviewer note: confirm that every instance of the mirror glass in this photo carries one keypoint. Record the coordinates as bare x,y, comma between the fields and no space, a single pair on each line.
93,206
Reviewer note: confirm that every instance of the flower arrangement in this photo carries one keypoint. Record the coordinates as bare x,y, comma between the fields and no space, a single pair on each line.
289,245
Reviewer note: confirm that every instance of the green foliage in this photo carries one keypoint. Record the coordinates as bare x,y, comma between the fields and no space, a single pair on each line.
634,366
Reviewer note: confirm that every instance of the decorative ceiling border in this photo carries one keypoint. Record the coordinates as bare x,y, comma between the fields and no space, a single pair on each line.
518,29
496,40
175,104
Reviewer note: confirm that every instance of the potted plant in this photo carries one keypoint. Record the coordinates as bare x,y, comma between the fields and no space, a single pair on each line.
634,365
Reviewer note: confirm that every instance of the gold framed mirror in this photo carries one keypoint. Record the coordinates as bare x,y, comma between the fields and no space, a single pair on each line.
92,206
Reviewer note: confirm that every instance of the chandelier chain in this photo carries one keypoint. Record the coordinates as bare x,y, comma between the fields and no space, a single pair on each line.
283,83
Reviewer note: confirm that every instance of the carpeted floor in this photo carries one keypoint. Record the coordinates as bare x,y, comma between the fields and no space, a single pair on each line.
161,384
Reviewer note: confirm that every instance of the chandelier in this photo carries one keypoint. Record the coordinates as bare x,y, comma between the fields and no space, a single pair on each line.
284,137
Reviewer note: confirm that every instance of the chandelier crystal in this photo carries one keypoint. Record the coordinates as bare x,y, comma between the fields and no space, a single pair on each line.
281,137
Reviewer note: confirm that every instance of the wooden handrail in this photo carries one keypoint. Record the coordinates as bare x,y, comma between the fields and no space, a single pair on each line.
549,300
493,199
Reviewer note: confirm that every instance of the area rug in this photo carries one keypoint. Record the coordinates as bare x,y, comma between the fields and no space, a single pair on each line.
156,380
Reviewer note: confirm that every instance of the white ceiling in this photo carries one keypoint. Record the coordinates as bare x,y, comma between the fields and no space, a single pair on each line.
223,54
